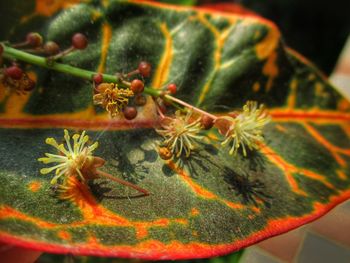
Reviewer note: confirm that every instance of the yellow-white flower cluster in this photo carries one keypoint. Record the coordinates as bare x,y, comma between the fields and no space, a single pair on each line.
71,158
245,130
180,133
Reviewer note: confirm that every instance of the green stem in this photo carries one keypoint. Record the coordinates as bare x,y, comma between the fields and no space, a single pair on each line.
15,54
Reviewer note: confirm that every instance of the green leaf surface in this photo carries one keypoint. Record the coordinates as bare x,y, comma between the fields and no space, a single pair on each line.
207,205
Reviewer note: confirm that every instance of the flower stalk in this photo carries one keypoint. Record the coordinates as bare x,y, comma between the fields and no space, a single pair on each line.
15,54
190,107
121,181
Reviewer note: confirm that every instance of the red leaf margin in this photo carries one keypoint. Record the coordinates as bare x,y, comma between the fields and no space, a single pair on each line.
177,251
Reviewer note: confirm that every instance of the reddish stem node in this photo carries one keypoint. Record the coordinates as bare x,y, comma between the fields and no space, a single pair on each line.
98,78
61,54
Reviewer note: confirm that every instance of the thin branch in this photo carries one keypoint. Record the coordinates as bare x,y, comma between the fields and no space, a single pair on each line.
123,182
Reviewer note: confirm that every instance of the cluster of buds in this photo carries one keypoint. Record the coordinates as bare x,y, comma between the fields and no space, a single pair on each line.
34,44
15,78
115,99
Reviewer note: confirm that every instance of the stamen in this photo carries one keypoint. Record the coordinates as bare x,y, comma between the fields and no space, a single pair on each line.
67,138
49,170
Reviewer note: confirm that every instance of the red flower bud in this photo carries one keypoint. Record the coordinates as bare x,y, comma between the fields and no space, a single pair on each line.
34,39
137,86
130,113
172,88
14,72
145,68
79,41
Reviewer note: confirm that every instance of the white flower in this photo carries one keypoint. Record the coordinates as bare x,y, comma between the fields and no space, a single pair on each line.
180,134
71,159
246,128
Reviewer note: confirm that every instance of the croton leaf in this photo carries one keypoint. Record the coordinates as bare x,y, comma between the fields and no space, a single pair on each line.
206,205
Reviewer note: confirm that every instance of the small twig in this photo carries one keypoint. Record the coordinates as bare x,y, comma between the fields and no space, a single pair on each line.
123,182
185,104
158,109
12,53
61,54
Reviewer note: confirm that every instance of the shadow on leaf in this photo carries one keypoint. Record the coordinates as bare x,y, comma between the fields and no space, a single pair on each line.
251,190
199,162
100,191
256,161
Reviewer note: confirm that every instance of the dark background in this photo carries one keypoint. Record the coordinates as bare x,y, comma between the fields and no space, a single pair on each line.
317,29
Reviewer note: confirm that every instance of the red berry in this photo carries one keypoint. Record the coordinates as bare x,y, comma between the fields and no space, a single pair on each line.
1,49
98,78
34,39
130,113
14,72
207,122
30,85
145,69
137,86
140,100
172,88
79,41
51,48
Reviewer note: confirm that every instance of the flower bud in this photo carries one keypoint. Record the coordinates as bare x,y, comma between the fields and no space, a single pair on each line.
172,88
207,122
51,48
34,39
140,100
14,72
137,86
130,113
79,41
145,69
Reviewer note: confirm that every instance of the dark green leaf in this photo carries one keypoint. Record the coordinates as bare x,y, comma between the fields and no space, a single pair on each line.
208,205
